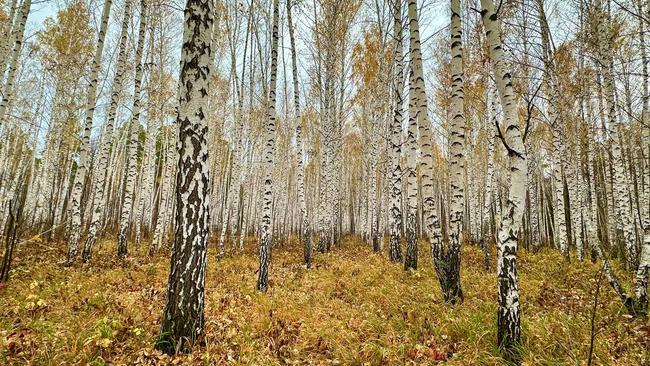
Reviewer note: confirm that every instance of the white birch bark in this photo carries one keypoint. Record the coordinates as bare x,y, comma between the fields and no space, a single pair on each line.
17,38
425,140
269,152
489,196
183,319
148,175
84,159
508,316
592,234
102,164
395,184
134,129
167,183
447,262
619,179
411,258
641,279
300,152
5,44
558,133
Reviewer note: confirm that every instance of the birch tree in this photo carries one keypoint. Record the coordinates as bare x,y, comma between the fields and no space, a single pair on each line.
17,38
395,244
183,319
102,164
84,158
134,130
508,313
306,230
420,108
447,262
619,178
267,200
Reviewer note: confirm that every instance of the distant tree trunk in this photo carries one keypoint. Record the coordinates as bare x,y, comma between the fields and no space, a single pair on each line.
508,316
267,201
372,176
488,200
558,133
574,183
84,159
148,176
619,179
183,321
102,164
167,183
134,130
306,230
592,236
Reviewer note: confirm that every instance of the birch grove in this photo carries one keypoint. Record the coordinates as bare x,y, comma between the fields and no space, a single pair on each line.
245,128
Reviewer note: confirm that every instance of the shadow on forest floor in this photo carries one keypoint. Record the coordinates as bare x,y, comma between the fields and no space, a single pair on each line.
353,307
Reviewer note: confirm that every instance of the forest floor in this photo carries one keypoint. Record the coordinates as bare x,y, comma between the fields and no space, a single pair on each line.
352,308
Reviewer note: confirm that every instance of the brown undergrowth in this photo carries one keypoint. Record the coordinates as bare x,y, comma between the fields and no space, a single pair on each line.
352,308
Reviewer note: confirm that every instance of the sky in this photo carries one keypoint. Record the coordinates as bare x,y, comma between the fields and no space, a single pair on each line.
40,11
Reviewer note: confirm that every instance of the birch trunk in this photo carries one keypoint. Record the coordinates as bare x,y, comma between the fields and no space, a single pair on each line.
619,180
134,130
395,185
183,319
557,128
431,221
641,279
488,200
163,205
372,176
447,262
17,37
6,36
305,228
411,255
84,159
269,152
508,316
102,168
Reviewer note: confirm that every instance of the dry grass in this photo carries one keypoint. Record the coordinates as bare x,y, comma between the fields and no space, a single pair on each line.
353,308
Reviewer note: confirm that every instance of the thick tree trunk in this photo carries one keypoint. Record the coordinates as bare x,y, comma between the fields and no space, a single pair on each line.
183,320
